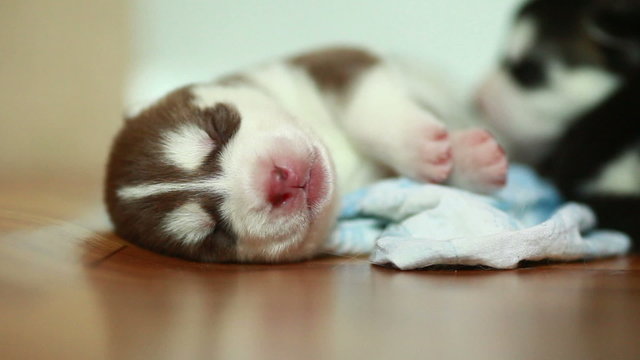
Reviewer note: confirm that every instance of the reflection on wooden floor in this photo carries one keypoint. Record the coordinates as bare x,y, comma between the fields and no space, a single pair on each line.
71,292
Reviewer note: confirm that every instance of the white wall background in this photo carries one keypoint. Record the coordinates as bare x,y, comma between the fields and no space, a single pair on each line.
175,42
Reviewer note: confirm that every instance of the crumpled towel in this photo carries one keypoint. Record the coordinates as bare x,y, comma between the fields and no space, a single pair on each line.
412,225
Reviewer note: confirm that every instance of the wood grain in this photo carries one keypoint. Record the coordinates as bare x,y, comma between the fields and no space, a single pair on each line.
70,292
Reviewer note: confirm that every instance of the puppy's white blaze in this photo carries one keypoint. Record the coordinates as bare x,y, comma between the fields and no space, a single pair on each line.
189,223
570,93
585,86
187,147
134,192
521,39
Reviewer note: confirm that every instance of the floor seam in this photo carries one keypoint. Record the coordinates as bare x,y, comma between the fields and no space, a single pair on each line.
103,259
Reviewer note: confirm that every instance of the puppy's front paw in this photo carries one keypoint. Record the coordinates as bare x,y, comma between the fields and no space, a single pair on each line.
429,154
480,163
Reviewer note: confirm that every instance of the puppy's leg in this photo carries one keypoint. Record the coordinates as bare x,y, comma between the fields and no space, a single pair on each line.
386,124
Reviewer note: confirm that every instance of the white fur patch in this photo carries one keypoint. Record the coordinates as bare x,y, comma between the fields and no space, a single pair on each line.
570,93
620,177
187,147
189,223
521,39
135,192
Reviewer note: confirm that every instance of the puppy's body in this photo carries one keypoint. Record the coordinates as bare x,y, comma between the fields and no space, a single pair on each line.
566,99
250,167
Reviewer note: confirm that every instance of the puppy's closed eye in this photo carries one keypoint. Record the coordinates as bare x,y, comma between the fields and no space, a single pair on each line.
221,122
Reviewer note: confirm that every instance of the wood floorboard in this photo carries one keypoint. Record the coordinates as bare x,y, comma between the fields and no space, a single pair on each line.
69,292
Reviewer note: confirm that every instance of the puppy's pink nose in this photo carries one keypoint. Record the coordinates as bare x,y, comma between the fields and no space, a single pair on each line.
284,184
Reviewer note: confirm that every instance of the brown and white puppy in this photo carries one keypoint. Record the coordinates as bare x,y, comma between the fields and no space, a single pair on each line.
250,167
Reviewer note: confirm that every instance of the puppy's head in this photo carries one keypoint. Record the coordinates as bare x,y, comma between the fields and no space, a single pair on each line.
562,58
220,173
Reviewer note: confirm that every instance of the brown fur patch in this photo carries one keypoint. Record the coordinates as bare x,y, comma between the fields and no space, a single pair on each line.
335,69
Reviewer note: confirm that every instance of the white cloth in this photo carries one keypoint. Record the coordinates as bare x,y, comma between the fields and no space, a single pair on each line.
411,225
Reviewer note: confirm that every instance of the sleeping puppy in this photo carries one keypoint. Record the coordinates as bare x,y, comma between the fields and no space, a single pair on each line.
566,98
250,167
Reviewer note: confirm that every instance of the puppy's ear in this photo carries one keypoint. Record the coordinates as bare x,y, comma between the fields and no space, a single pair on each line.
615,25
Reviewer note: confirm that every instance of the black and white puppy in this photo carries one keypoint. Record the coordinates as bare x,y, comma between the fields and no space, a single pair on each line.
249,167
566,98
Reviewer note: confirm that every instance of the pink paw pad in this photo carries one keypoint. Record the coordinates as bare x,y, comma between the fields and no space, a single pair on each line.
435,155
480,163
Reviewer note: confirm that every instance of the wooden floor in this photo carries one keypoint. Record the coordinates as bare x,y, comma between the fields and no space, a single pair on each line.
68,292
